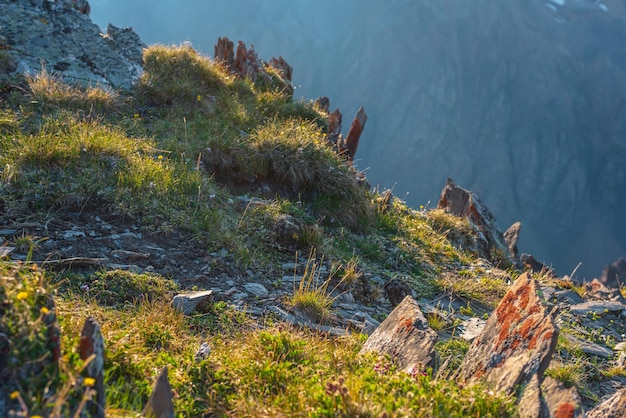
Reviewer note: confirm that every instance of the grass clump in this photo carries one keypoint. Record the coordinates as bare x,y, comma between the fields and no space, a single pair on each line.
52,94
312,295
180,77
117,287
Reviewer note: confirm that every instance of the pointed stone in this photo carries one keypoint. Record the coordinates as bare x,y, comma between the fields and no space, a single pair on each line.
160,404
352,140
511,236
92,345
517,342
405,337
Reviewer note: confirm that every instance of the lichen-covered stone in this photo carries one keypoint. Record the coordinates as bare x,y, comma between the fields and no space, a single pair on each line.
61,37
614,407
405,336
517,342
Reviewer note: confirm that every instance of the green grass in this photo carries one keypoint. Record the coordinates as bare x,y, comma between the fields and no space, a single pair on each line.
49,93
187,152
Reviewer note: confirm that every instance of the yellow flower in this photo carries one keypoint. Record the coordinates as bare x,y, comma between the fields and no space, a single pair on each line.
136,115
14,394
22,295
89,381
160,157
36,416
199,98
44,311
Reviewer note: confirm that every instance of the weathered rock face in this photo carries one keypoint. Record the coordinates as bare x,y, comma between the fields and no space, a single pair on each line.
614,407
561,401
405,336
517,342
60,37
464,203
614,275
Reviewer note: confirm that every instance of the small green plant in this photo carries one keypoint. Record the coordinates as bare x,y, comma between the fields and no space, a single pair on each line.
570,374
312,294
26,244
452,351
467,310
435,321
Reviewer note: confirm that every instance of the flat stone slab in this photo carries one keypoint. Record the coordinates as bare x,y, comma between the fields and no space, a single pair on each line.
405,336
257,289
188,303
517,342
472,328
588,347
597,306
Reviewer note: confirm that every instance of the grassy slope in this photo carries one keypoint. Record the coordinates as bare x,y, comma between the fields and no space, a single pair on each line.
175,155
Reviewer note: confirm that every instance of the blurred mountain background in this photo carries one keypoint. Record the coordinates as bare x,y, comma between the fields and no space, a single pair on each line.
522,102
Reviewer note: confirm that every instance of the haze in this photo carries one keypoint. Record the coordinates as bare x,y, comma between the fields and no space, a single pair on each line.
522,102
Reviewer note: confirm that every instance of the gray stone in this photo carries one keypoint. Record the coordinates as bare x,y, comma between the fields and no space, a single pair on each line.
588,347
568,296
405,337
614,275
203,352
160,403
517,342
561,401
291,319
613,407
36,33
73,234
92,344
531,404
348,297
511,236
257,289
6,250
189,303
289,266
471,328
597,306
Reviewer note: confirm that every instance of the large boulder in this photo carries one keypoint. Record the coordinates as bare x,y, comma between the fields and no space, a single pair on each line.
517,342
406,337
60,37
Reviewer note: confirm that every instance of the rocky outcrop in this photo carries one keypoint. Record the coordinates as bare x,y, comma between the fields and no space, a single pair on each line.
60,37
464,203
406,337
245,63
614,275
517,342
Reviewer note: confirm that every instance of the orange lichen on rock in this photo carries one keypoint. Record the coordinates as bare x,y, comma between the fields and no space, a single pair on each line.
565,410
